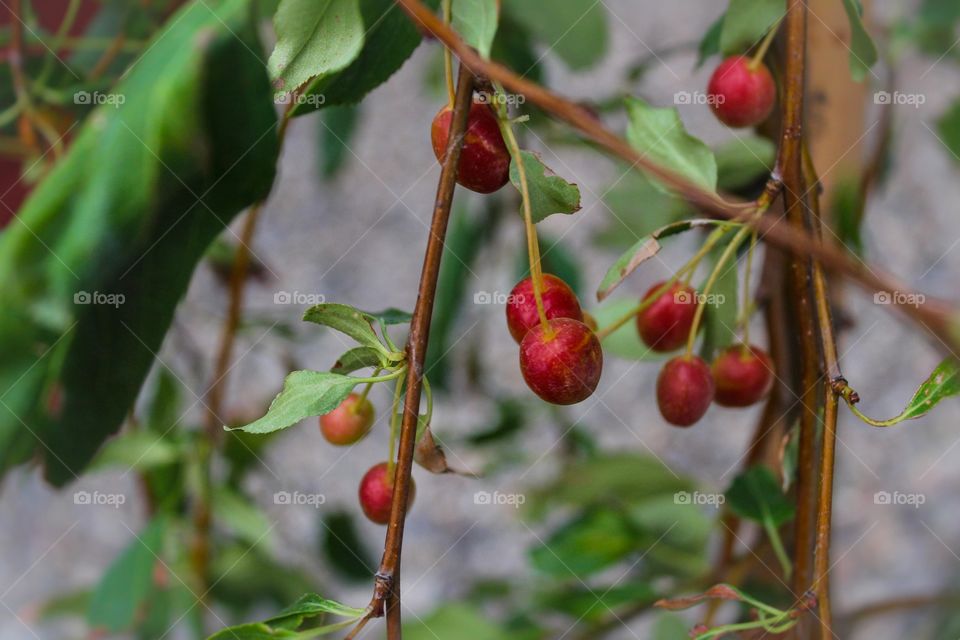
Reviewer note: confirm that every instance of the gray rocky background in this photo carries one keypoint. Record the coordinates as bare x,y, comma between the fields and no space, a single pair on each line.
359,240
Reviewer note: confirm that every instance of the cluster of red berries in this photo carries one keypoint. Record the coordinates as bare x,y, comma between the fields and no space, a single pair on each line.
561,361
741,92
740,376
348,424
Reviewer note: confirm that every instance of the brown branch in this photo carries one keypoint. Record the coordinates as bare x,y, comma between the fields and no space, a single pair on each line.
935,315
386,596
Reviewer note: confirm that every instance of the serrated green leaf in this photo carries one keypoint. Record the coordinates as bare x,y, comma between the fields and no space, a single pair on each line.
359,358
305,394
549,193
345,319
863,52
659,135
643,250
943,383
476,21
128,211
756,495
315,38
122,590
575,30
747,21
743,161
137,450
391,38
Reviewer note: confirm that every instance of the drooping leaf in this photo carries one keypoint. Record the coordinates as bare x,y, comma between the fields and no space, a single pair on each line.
643,250
359,358
315,38
305,394
122,590
756,495
747,21
549,193
345,319
943,383
102,252
948,126
863,52
476,21
389,41
575,30
659,135
389,316
743,161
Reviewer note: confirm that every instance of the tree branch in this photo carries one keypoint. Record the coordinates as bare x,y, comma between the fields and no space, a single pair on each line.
936,316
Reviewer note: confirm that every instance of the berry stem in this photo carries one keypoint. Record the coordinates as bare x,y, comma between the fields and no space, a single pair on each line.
761,52
730,250
533,245
365,392
447,55
688,268
394,427
745,309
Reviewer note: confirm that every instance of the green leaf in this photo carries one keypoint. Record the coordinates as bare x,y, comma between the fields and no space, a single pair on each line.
359,358
476,21
756,495
124,587
743,161
549,193
674,535
593,604
391,38
336,132
659,135
315,38
710,45
627,222
847,205
943,383
747,21
345,551
285,624
345,319
389,316
305,394
863,52
575,30
948,126
137,450
584,546
454,620
127,214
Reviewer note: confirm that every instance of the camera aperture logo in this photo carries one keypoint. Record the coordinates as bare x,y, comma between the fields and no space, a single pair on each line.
898,498
698,98
497,297
98,97
289,97
699,498
298,298
710,299
299,498
485,498
899,98
485,97
899,298
98,297
98,499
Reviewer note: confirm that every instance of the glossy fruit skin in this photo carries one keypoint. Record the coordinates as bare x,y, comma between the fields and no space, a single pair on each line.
742,375
665,324
740,96
484,160
349,422
564,368
684,390
559,301
376,493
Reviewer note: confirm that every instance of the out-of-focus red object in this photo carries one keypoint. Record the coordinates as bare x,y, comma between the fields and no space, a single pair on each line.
50,13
